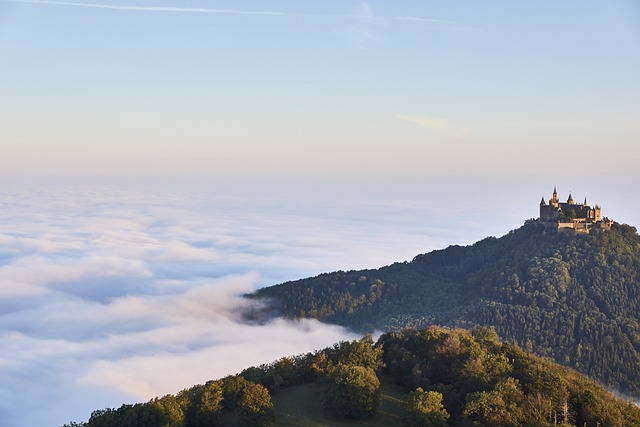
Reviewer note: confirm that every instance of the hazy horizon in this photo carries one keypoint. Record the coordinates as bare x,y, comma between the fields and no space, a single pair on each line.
160,158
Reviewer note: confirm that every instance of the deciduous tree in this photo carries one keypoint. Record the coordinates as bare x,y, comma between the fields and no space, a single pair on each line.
425,409
354,392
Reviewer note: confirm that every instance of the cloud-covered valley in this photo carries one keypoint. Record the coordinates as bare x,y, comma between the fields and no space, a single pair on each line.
108,298
111,295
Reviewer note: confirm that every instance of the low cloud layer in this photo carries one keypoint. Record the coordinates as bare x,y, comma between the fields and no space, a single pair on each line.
111,296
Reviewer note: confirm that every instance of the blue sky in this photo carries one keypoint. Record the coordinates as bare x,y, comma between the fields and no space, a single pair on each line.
160,157
300,86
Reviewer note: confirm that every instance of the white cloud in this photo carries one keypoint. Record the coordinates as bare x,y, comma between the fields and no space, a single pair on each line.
441,125
139,283
39,275
429,122
222,349
181,251
111,296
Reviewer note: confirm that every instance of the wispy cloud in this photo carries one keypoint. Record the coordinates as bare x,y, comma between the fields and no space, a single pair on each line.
440,125
155,8
366,28
429,122
362,31
363,17
441,23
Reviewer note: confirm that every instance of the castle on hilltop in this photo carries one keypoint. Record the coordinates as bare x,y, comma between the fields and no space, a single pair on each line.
570,216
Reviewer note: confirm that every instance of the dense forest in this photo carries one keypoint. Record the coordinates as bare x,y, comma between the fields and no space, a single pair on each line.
433,377
572,298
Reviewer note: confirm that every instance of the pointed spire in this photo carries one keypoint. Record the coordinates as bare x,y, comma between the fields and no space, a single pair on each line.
585,200
542,203
570,199
554,199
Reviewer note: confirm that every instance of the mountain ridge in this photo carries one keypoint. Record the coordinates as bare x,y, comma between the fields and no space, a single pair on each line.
573,298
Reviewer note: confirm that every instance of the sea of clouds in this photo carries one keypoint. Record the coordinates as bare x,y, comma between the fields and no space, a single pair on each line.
114,294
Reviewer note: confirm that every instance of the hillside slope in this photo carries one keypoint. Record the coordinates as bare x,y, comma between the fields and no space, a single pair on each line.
575,299
432,377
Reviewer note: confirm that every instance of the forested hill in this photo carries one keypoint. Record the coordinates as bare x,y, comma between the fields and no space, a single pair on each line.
574,298
434,377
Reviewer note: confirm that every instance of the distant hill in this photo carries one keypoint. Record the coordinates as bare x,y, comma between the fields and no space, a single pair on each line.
434,377
573,298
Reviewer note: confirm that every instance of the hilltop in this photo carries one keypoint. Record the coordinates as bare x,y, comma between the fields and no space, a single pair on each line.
434,377
572,297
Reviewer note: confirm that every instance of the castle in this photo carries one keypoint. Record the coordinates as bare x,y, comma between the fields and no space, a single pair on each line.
570,216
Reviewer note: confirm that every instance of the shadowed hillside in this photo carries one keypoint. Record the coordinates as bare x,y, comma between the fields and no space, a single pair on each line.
573,298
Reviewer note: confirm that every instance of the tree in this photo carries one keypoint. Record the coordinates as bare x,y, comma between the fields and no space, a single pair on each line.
538,407
360,352
424,409
501,407
256,408
103,418
232,388
210,404
166,412
354,392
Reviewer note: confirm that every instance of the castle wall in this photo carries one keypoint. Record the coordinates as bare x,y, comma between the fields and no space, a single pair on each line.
573,227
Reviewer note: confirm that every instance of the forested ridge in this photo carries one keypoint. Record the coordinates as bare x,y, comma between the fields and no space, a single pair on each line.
433,377
573,298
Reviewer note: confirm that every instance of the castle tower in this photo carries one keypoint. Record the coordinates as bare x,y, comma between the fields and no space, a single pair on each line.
570,199
554,200
544,210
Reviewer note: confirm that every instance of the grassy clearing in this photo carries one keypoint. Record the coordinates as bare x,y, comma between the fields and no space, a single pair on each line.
301,406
